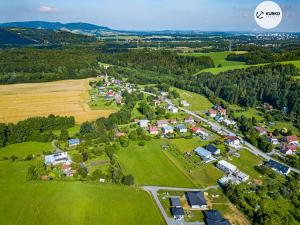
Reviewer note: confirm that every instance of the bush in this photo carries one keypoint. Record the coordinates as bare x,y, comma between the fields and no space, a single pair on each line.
128,180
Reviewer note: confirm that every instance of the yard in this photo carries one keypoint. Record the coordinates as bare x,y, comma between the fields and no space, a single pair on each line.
72,202
150,166
65,98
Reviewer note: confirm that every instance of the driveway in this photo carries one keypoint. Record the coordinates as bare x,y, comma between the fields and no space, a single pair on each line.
170,221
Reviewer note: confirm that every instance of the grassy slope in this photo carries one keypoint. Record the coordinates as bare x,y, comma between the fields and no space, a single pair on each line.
150,166
197,102
23,149
64,203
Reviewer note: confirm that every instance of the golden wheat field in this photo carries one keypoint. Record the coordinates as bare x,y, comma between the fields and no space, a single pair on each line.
65,98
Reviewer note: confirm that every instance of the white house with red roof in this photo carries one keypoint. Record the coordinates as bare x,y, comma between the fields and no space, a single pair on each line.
232,141
261,131
153,130
289,149
222,111
292,139
189,119
212,113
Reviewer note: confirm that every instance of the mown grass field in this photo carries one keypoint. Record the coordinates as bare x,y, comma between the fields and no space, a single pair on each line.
65,98
249,113
67,202
150,166
22,150
247,162
197,102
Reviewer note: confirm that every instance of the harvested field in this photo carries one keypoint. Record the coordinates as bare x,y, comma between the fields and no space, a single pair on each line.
65,98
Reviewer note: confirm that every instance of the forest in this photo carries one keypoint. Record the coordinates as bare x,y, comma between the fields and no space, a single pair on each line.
259,55
39,65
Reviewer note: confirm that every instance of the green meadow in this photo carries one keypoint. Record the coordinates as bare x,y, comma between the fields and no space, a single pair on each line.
67,202
197,102
150,166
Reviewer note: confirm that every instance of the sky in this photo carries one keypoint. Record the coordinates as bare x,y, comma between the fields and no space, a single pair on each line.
149,15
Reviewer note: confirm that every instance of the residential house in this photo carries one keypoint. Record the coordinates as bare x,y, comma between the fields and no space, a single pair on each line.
213,149
156,102
110,95
200,131
278,167
226,166
118,99
261,131
119,134
184,103
222,111
168,130
204,154
228,122
292,139
162,123
73,142
189,119
153,130
273,140
143,123
181,128
172,109
232,141
219,118
212,113
242,176
213,217
288,149
163,93
57,158
177,212
175,202
196,199
173,121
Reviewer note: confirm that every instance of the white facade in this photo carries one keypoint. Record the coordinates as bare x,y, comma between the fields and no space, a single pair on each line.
226,166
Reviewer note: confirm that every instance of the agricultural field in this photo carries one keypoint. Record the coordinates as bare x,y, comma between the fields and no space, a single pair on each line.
198,103
149,165
248,113
64,98
23,202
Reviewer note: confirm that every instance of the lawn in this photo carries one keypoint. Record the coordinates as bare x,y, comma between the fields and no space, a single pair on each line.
288,125
150,166
206,175
65,203
72,131
187,145
247,162
197,102
22,150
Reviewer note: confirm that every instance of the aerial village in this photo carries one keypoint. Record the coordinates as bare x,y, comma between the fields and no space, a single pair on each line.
214,127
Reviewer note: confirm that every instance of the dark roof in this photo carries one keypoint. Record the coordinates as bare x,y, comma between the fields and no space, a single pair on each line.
195,198
221,222
177,211
211,148
175,202
213,215
278,166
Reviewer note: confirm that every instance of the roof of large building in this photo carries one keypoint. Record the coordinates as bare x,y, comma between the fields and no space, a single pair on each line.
73,141
202,152
213,217
181,126
227,165
175,202
177,211
278,166
211,148
195,198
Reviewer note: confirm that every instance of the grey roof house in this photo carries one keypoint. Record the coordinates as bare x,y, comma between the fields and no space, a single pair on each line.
196,199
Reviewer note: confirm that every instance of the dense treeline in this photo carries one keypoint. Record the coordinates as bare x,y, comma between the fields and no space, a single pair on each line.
33,129
39,65
258,55
274,202
15,36
165,62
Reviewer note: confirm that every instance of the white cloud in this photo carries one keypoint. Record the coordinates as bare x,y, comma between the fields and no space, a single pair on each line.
47,9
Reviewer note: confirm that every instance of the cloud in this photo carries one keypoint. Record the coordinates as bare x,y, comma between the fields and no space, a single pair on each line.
47,9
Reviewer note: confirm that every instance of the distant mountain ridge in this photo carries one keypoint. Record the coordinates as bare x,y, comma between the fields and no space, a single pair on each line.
54,25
